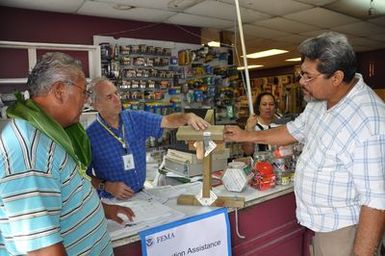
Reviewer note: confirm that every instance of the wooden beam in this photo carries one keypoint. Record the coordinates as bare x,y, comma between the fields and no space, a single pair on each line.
189,133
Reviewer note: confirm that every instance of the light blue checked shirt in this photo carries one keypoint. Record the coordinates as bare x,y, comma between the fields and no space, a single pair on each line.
342,165
43,198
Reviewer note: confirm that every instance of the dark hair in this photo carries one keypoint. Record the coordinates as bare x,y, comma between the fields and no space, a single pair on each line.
51,68
259,98
333,51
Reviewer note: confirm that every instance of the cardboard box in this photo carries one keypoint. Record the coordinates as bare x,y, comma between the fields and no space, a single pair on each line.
187,164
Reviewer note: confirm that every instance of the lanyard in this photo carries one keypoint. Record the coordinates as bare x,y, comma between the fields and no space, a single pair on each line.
121,140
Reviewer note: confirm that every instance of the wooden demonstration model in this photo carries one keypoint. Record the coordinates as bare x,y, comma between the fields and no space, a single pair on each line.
203,143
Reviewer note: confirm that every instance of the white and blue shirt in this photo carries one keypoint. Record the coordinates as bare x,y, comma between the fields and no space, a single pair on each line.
342,165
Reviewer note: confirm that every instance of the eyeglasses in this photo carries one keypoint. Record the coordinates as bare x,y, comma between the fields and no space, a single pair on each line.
306,78
86,93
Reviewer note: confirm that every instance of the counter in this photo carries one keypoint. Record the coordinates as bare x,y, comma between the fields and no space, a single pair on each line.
267,222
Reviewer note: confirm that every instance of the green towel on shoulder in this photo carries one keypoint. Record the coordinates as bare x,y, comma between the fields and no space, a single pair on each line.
73,139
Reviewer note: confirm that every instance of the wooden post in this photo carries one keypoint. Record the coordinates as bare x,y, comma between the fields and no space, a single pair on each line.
207,161
216,133
206,176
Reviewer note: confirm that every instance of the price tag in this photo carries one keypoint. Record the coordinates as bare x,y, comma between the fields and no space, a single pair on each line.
209,145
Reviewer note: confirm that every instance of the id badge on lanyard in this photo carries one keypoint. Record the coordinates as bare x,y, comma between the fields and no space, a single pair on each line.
128,158
128,162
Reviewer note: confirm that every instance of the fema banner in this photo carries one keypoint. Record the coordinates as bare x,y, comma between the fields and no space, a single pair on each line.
200,235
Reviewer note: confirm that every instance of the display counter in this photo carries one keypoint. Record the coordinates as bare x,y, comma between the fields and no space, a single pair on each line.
266,225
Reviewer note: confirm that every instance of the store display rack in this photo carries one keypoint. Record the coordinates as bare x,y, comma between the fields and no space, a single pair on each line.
208,80
165,77
142,73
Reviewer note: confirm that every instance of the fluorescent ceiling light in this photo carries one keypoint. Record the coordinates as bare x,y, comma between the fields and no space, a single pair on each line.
214,44
294,59
250,67
266,53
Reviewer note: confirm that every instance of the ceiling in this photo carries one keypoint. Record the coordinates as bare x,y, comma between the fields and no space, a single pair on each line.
267,24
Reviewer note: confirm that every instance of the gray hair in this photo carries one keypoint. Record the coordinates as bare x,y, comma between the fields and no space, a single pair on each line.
92,87
333,51
51,68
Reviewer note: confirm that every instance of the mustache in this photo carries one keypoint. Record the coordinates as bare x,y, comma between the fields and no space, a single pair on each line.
307,95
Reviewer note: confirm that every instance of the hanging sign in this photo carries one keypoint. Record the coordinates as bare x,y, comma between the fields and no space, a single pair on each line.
200,235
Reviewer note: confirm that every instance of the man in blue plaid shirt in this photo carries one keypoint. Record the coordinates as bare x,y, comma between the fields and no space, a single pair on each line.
118,166
340,175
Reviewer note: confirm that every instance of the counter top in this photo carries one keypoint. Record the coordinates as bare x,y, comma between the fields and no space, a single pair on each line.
251,195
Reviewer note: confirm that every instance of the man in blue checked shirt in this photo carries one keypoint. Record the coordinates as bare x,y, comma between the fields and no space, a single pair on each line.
118,166
340,175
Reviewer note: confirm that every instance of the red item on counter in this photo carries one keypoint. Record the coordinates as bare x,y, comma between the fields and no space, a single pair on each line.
264,177
263,167
263,182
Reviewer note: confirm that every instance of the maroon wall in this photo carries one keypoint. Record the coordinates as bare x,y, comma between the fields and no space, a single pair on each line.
49,27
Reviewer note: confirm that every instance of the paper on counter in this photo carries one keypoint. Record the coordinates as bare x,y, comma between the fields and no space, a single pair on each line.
168,192
147,214
149,210
189,188
162,192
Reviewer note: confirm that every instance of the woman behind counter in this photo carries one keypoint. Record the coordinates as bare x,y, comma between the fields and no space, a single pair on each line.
265,107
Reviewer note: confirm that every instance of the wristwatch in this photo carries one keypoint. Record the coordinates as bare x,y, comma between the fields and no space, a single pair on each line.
102,185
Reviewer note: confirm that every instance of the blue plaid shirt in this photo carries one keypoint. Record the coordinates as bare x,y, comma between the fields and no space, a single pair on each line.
342,166
107,151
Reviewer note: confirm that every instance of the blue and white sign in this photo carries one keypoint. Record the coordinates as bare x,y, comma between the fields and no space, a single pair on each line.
200,235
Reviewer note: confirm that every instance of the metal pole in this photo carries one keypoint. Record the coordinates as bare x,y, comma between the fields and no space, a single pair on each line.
248,89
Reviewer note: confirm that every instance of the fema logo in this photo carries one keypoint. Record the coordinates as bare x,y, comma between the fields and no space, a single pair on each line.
149,241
